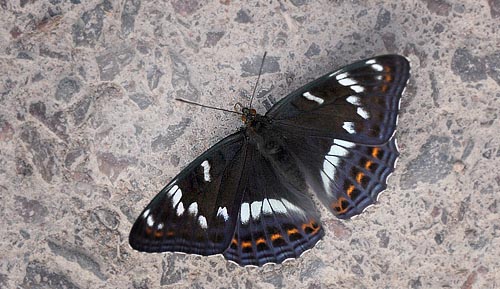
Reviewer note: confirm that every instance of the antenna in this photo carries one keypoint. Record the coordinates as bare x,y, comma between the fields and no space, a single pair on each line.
258,78
207,106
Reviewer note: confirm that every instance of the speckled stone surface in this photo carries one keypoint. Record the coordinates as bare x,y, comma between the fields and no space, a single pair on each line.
89,133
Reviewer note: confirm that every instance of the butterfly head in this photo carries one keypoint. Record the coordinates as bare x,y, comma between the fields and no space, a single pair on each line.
249,115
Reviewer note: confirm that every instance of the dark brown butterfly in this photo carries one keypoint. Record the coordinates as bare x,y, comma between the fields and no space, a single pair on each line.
246,197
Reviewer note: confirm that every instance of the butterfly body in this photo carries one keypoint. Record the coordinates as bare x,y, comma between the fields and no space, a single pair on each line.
247,196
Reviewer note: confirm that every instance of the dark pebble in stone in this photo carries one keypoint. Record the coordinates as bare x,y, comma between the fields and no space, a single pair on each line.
467,66
79,111
312,50
493,64
242,16
6,130
439,7
32,211
383,19
181,80
494,8
129,12
23,167
438,28
383,239
439,238
299,2
185,7
44,157
38,277
72,254
250,67
432,164
153,75
107,217
356,269
164,142
88,29
141,99
66,88
111,62
171,273
213,38
415,284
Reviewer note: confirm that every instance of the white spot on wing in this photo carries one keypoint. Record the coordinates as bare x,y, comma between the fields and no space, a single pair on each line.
180,209
256,209
335,161
377,67
349,127
355,100
371,61
206,170
266,207
363,113
245,213
172,190
150,221
329,169
341,76
176,197
160,226
222,212
193,209
312,97
336,150
357,88
203,222
344,143
277,206
347,81
146,214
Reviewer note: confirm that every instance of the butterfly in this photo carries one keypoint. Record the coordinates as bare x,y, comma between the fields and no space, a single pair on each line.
247,196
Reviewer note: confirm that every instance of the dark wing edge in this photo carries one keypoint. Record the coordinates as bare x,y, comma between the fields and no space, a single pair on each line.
196,212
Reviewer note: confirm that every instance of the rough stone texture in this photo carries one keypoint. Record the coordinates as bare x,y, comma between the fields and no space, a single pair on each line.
90,131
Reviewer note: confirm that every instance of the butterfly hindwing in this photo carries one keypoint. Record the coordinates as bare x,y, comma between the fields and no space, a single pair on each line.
196,212
347,177
358,103
277,219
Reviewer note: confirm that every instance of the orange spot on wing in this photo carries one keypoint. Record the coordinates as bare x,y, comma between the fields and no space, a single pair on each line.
368,164
170,233
276,236
246,244
388,78
350,190
292,231
384,88
158,234
260,241
359,177
312,225
339,207
375,152
234,241
148,231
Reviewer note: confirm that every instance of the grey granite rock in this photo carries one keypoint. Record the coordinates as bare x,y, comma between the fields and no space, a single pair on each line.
90,132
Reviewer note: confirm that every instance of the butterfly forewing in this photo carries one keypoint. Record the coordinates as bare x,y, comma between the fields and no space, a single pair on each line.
358,103
197,211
